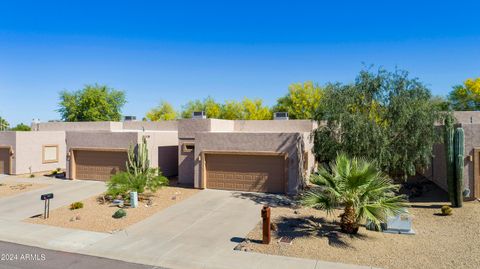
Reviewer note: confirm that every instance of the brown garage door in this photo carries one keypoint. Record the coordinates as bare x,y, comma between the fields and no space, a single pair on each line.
258,173
98,165
4,161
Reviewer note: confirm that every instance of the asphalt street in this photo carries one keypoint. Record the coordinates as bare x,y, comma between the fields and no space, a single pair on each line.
15,256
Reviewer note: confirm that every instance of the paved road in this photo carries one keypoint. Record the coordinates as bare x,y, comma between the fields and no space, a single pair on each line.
38,258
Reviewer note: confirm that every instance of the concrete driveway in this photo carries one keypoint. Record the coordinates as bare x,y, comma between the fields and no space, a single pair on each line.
189,232
27,204
199,232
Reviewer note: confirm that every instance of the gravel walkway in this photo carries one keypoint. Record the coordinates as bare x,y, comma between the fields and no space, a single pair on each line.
8,189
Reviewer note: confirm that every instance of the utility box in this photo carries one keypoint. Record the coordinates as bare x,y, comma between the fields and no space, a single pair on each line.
400,224
280,116
199,115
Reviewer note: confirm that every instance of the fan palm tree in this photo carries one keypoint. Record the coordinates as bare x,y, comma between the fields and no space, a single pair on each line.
364,192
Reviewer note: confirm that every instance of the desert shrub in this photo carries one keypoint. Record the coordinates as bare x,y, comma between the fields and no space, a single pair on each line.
124,182
76,205
119,214
446,210
138,177
32,175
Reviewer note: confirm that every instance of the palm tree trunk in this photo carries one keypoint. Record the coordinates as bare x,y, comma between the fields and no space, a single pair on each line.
348,220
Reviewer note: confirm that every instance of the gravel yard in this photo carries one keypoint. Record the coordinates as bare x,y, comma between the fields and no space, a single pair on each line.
10,188
440,241
95,216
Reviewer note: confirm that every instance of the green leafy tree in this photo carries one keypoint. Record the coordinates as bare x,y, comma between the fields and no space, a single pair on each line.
4,124
164,111
209,105
442,103
21,127
255,110
301,102
383,116
357,186
232,110
92,103
467,96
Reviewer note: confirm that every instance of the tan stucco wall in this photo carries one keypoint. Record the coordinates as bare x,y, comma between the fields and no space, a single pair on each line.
472,141
467,117
8,139
250,142
188,127
274,125
312,164
123,140
78,126
437,172
99,140
186,163
151,125
161,139
221,125
29,151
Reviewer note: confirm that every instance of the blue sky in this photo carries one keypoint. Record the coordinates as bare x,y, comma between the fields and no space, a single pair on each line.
183,50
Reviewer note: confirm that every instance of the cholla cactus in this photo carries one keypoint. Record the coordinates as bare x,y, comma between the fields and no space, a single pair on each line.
138,162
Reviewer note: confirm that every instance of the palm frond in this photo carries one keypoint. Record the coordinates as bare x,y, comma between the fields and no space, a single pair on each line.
320,200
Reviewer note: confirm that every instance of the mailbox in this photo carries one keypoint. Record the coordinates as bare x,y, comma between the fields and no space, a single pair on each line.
46,196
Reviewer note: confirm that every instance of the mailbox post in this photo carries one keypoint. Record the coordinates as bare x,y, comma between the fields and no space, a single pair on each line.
46,210
266,225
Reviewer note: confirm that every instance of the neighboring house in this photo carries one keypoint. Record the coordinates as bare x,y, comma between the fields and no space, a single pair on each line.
263,156
30,152
94,155
470,122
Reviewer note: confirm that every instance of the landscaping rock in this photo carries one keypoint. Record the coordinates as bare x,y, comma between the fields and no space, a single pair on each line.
78,217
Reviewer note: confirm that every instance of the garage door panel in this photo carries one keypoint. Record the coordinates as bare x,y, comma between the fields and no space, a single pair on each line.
258,173
98,165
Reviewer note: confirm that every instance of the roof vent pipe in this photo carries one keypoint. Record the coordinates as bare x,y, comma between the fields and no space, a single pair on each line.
280,116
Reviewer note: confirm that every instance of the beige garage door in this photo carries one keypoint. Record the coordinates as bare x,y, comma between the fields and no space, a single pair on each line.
98,165
4,161
258,173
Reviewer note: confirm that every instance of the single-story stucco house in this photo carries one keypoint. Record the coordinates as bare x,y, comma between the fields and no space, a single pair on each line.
246,155
30,152
94,155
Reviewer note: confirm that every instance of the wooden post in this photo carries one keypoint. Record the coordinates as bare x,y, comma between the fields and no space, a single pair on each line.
266,224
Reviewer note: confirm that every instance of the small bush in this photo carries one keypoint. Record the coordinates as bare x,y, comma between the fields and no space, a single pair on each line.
76,205
446,210
119,214
32,175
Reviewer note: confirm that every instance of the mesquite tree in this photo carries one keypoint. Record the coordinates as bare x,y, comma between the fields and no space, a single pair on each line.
382,116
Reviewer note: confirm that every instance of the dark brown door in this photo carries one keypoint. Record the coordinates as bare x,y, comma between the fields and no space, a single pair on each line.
257,173
168,160
4,161
98,165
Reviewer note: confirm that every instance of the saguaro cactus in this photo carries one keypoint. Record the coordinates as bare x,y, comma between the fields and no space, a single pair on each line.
459,149
449,156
